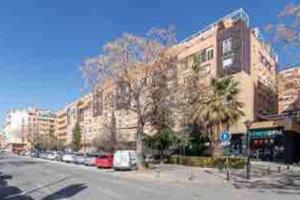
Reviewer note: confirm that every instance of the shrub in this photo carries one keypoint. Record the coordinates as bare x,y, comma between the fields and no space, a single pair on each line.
211,162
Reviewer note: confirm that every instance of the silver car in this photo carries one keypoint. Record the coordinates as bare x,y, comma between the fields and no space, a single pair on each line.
80,158
90,159
68,157
52,155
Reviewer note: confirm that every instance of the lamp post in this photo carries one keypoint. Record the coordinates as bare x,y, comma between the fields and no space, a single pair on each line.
248,124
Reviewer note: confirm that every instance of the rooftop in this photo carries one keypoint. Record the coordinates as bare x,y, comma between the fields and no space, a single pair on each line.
235,16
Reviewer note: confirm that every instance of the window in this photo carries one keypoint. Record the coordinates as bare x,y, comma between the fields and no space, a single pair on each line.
186,80
97,103
210,53
203,57
170,84
123,95
206,54
183,65
205,70
227,46
227,63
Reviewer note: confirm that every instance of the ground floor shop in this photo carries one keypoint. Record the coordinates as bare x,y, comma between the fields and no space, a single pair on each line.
275,144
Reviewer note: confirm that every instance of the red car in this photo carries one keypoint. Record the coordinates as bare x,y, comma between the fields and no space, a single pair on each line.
105,161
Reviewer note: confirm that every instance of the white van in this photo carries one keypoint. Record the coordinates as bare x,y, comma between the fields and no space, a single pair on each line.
125,159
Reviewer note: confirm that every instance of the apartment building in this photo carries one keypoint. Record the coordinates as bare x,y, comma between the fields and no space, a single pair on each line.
21,126
109,110
40,122
69,116
94,113
15,129
85,121
289,89
230,46
61,125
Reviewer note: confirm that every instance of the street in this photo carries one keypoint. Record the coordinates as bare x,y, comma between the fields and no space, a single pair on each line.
31,178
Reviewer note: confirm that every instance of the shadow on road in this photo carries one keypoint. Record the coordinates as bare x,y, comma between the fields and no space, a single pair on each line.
286,183
66,192
10,192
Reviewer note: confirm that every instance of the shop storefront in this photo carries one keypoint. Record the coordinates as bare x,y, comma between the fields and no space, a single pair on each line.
267,144
274,140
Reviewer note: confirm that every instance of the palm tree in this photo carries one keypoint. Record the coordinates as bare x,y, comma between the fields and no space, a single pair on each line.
220,110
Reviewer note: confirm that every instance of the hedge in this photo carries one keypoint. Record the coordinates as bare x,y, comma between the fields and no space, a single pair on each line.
211,162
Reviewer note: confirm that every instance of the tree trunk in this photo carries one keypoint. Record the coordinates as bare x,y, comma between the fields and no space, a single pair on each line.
161,152
139,146
216,147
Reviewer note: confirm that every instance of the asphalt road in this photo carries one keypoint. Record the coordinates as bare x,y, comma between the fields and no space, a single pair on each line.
30,178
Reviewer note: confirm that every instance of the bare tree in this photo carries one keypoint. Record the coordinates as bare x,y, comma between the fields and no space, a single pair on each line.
130,59
107,140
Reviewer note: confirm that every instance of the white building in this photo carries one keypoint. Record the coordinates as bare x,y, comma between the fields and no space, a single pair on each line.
15,128
21,126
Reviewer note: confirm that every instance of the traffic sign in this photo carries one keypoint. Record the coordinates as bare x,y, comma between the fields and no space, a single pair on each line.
225,136
225,143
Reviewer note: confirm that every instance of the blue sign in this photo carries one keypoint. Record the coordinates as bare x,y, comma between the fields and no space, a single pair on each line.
225,136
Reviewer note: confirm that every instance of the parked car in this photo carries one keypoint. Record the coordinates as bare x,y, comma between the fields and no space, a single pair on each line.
52,155
68,157
34,154
59,156
80,158
22,153
90,159
125,160
105,161
43,154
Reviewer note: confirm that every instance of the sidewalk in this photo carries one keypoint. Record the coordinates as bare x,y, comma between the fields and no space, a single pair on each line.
210,176
177,174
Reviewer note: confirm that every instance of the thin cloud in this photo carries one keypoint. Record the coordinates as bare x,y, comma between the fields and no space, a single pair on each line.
290,10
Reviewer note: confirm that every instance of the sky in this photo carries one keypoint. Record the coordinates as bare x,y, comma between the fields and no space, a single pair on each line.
43,43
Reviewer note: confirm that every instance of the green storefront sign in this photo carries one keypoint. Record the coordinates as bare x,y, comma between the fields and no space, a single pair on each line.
265,133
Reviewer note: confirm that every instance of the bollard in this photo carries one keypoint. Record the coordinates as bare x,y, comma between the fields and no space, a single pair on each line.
158,172
269,171
278,169
288,168
191,177
227,175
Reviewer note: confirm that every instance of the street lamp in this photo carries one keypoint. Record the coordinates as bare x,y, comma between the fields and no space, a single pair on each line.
248,124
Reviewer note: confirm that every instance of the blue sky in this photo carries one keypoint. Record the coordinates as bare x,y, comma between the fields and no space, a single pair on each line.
42,43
